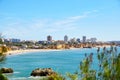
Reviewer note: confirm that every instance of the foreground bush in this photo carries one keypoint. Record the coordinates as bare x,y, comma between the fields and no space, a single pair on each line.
2,77
108,65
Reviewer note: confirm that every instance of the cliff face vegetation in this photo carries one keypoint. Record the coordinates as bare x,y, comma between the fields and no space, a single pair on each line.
3,49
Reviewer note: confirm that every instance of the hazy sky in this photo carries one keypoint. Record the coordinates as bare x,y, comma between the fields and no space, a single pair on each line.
35,19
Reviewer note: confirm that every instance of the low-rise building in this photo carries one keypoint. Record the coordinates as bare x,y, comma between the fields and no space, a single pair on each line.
15,40
93,40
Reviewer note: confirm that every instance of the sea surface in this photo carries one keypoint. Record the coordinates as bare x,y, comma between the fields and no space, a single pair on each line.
60,61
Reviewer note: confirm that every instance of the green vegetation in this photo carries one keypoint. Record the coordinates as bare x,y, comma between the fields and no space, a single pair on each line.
1,42
3,49
85,69
56,77
2,77
108,67
109,62
72,76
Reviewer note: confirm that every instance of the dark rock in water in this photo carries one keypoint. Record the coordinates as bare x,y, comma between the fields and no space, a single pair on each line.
43,72
87,47
6,70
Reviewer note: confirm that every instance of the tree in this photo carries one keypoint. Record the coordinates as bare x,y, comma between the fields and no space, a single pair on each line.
1,38
3,49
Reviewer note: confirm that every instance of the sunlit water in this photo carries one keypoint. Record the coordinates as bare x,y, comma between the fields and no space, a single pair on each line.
60,61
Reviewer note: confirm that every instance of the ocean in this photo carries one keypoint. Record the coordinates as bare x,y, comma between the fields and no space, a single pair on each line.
62,61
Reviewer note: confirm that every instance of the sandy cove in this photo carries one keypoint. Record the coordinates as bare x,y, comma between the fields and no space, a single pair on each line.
21,51
15,52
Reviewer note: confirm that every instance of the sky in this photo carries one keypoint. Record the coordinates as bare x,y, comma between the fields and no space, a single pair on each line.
36,19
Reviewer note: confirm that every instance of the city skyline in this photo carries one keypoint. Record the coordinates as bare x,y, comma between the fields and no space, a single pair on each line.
34,20
51,38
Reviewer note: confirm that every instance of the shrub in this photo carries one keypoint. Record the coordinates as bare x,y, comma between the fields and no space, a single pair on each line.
108,67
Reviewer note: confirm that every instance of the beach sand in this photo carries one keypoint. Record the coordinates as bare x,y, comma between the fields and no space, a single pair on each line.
21,51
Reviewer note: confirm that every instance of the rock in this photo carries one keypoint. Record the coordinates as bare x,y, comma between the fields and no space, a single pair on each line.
6,70
43,72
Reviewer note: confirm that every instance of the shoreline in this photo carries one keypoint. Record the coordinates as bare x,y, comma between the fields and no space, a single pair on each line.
22,51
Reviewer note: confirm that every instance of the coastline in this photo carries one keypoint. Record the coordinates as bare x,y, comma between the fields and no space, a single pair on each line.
22,51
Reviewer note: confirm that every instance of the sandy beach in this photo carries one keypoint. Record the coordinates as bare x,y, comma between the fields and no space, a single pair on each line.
15,52
22,51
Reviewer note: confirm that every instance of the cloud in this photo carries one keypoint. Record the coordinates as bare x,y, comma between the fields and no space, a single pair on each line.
74,19
69,20
39,27
77,17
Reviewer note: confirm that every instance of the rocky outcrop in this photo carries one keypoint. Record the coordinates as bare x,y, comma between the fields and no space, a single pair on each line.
6,70
43,72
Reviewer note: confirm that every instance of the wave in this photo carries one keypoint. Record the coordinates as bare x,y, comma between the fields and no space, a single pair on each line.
16,72
27,78
18,78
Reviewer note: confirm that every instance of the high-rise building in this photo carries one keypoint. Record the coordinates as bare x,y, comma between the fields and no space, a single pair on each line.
65,38
49,38
78,40
84,39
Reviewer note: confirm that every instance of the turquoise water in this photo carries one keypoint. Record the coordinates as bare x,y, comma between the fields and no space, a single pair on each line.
60,61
